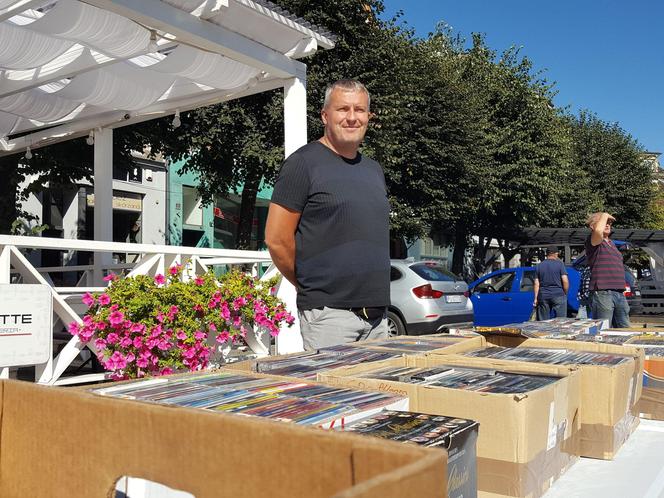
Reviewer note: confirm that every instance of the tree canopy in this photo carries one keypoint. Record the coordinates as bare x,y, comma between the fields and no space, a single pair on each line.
470,140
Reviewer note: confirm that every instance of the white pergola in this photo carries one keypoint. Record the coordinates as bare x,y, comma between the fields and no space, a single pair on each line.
71,68
74,68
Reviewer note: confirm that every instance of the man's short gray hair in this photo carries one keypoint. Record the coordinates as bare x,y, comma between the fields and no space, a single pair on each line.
347,85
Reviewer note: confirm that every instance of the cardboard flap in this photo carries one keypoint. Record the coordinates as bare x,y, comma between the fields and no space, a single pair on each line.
59,442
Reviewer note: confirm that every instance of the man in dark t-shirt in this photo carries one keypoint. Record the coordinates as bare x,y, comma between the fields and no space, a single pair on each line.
551,286
328,227
607,277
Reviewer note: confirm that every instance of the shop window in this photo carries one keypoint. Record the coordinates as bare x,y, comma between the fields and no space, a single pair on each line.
192,209
126,173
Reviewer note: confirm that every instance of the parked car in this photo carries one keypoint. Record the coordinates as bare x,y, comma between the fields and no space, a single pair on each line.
506,296
426,297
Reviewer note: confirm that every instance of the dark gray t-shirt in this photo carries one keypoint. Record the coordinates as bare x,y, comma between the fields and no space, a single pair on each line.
342,255
549,273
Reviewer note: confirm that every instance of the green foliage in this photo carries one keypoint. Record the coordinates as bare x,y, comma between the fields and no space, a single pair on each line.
620,182
470,140
655,212
23,226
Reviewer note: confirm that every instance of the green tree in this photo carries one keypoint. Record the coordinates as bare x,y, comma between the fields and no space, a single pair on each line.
620,181
49,167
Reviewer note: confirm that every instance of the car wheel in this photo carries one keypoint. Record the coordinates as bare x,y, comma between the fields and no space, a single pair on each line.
395,326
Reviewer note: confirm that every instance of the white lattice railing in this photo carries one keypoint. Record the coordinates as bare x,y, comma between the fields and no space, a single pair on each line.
149,259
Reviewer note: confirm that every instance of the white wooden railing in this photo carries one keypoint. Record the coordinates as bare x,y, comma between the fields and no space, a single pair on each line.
15,268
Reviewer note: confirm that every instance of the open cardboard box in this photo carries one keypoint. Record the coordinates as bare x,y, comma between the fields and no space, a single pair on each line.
608,393
525,442
460,345
448,343
58,442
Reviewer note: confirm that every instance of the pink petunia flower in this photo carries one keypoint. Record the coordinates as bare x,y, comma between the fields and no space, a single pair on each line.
199,281
104,299
85,333
223,337
110,277
138,327
116,318
173,270
117,361
160,279
88,299
225,312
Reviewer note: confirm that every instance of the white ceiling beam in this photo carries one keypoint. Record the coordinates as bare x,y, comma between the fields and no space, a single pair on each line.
323,41
117,119
202,34
211,8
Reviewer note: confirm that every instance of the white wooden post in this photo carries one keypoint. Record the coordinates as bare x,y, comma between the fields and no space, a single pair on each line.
295,113
5,278
103,189
289,340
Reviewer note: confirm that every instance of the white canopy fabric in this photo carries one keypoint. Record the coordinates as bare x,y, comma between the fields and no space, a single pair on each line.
87,64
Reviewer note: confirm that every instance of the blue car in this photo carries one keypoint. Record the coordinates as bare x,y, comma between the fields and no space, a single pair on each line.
506,296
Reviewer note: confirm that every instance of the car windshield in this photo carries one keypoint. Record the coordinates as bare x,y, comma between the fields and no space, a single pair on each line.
433,272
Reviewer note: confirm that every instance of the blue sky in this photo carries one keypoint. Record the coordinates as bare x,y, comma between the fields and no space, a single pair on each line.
605,56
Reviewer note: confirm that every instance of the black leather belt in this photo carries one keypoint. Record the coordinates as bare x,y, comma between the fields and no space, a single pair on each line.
368,313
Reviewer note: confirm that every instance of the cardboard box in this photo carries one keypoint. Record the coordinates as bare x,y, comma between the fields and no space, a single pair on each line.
526,441
258,365
651,404
62,443
608,393
653,367
184,381
448,343
653,372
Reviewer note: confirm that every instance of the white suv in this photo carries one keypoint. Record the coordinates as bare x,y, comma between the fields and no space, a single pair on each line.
425,298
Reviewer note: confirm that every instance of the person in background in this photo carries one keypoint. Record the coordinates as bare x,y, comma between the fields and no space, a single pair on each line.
551,286
607,273
328,227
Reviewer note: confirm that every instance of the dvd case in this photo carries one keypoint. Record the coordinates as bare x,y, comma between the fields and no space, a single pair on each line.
457,435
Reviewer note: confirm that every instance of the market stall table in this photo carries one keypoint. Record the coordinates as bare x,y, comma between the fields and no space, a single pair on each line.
636,472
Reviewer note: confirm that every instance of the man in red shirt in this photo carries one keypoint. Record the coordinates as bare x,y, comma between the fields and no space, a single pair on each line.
607,281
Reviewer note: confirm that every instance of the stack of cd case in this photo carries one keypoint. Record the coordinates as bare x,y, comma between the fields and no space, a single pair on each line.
231,392
457,435
605,337
405,345
555,328
551,356
653,345
466,378
307,365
